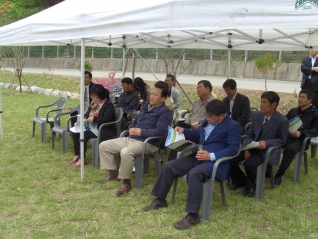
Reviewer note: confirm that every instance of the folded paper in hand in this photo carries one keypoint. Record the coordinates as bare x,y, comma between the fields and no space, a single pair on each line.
294,124
87,126
176,141
251,145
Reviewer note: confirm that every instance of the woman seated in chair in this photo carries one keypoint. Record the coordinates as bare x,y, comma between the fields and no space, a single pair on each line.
143,90
100,111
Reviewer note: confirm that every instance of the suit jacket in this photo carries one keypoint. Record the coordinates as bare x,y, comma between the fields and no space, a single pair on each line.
223,141
91,84
106,115
274,134
241,108
306,69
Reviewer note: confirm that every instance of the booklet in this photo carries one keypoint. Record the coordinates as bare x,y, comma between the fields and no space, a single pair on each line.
294,124
251,145
176,141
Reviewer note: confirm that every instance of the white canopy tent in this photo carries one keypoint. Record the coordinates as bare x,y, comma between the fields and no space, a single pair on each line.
216,24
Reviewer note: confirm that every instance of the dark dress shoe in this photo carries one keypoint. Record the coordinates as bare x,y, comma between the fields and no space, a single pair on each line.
187,222
109,178
155,204
237,185
249,193
277,180
124,188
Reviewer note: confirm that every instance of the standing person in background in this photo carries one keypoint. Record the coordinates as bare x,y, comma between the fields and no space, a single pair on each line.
173,94
309,68
88,86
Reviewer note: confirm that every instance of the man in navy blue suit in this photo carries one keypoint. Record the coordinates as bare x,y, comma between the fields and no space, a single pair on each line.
220,137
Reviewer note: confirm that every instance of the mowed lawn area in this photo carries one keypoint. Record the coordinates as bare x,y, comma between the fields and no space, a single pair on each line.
41,196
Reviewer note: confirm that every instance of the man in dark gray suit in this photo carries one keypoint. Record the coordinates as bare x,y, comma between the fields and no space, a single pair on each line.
309,68
268,128
238,105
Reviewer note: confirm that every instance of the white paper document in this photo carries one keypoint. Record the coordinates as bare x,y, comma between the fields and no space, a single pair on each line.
251,145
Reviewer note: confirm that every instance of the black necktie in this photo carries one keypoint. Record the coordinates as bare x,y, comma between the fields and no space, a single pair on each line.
264,125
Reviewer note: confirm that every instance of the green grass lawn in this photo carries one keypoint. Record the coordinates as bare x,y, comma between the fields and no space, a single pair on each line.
42,197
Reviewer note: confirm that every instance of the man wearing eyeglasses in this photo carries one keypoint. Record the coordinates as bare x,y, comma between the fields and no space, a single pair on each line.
219,137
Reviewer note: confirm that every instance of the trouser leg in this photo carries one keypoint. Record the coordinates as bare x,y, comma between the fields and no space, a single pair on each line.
172,170
237,175
107,149
196,178
128,154
250,166
292,147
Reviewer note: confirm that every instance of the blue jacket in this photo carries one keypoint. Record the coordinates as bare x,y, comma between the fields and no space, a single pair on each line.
152,123
223,141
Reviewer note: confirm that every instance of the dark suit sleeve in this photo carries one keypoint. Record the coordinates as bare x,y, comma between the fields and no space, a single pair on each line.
227,104
245,111
305,66
106,114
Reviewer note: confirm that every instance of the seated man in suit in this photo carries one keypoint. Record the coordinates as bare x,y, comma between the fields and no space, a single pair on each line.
238,105
309,68
309,117
197,114
219,137
269,128
153,120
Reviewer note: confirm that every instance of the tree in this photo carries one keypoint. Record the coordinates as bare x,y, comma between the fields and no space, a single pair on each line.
14,10
267,65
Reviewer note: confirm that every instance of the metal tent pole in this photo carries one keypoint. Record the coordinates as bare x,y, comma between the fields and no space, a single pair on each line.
229,47
82,107
1,112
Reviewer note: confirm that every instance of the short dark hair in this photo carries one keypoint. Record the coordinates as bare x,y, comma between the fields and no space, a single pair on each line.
309,93
89,74
164,88
271,96
229,83
127,80
100,91
173,78
215,107
206,83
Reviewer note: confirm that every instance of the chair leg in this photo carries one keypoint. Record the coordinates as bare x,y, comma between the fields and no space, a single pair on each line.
53,139
139,171
305,162
95,151
157,162
64,141
297,167
260,178
33,129
43,133
313,151
222,186
207,199
271,174
175,183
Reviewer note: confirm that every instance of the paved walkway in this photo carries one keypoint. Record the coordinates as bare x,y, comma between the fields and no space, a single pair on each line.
243,83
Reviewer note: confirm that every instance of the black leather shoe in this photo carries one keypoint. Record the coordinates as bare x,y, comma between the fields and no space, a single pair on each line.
155,204
277,180
249,193
237,185
186,222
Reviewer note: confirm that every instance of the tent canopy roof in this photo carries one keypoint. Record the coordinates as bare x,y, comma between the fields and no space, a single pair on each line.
215,24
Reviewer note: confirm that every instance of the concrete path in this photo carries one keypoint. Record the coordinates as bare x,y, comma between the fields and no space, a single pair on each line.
243,83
